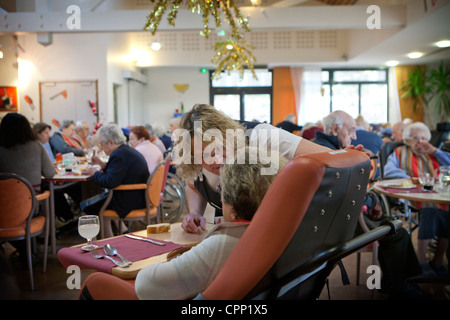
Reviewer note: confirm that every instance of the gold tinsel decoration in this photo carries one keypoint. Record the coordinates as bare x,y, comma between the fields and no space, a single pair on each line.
233,55
226,59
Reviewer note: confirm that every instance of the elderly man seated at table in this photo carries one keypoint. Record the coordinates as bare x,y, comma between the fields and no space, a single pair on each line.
242,187
408,161
125,166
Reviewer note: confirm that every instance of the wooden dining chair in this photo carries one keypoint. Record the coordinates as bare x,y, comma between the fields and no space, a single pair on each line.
18,203
153,198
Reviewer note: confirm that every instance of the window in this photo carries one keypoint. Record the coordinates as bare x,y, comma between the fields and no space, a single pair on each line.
357,92
244,99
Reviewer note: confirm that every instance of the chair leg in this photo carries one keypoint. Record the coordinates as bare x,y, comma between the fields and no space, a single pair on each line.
30,262
358,265
47,227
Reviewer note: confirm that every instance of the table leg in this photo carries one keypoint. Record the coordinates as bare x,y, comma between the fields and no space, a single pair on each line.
52,217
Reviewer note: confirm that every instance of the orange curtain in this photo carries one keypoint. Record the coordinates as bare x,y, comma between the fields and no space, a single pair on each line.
283,97
406,105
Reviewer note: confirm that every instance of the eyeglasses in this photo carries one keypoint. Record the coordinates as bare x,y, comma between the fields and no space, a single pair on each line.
418,138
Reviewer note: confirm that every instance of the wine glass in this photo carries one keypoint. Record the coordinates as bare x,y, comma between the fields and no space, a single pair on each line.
88,228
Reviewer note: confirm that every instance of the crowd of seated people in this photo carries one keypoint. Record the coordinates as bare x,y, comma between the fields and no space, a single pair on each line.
132,160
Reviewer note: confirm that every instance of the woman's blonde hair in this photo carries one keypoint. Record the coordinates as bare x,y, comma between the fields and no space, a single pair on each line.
243,186
210,118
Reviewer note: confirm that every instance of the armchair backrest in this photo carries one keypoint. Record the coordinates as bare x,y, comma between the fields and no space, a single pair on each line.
17,200
386,149
313,204
154,185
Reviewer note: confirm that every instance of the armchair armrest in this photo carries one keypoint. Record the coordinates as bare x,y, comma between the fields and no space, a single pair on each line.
137,186
42,196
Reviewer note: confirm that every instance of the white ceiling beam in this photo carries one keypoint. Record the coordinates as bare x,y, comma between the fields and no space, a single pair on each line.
323,17
287,3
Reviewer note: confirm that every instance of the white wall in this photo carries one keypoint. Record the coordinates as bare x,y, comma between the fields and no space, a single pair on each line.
104,57
161,99
71,57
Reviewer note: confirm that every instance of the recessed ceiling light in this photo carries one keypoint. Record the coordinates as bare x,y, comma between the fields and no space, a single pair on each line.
391,63
415,55
155,45
443,43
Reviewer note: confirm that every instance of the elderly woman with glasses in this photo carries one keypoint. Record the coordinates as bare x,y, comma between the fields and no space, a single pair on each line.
419,155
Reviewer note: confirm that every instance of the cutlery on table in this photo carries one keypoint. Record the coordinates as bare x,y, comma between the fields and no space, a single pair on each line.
111,251
97,255
145,239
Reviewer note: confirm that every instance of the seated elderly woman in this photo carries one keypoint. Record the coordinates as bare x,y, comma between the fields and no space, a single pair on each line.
406,161
242,187
65,142
125,166
140,140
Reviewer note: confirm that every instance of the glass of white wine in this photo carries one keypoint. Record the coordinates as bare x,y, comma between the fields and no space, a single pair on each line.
88,228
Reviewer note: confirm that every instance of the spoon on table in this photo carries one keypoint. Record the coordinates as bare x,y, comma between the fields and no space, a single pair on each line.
111,251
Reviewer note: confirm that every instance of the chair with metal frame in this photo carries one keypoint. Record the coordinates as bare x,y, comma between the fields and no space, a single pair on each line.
153,195
19,201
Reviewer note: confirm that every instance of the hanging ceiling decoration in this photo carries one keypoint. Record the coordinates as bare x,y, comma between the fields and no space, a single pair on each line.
232,54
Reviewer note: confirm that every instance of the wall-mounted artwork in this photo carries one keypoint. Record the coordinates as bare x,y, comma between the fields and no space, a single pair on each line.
8,99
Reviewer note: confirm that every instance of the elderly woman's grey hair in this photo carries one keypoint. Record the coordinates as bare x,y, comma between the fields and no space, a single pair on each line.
336,117
290,117
159,129
66,123
111,131
414,127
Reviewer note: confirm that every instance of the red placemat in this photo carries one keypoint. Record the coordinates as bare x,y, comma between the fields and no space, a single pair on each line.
133,250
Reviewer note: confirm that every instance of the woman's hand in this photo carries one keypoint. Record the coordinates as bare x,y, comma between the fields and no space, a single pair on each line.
425,147
96,161
192,221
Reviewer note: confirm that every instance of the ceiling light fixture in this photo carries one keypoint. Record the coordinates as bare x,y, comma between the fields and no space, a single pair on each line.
156,45
415,55
443,44
392,63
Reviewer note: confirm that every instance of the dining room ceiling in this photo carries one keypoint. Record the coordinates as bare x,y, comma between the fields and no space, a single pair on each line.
332,32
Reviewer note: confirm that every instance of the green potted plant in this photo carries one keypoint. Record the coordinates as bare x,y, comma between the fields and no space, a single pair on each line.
415,88
439,89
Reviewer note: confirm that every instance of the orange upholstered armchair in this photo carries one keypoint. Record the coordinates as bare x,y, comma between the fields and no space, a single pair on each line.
312,206
18,203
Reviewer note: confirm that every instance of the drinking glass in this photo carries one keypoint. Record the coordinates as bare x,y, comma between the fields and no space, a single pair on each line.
88,228
444,178
427,181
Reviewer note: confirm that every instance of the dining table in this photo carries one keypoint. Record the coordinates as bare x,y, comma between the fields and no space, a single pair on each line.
61,180
140,253
410,191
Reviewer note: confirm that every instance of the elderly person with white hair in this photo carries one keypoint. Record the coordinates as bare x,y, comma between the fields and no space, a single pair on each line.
419,155
125,166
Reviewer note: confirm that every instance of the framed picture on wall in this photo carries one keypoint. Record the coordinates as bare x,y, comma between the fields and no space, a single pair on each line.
8,99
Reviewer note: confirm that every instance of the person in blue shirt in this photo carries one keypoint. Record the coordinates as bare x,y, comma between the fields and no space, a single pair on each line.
370,140
42,132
